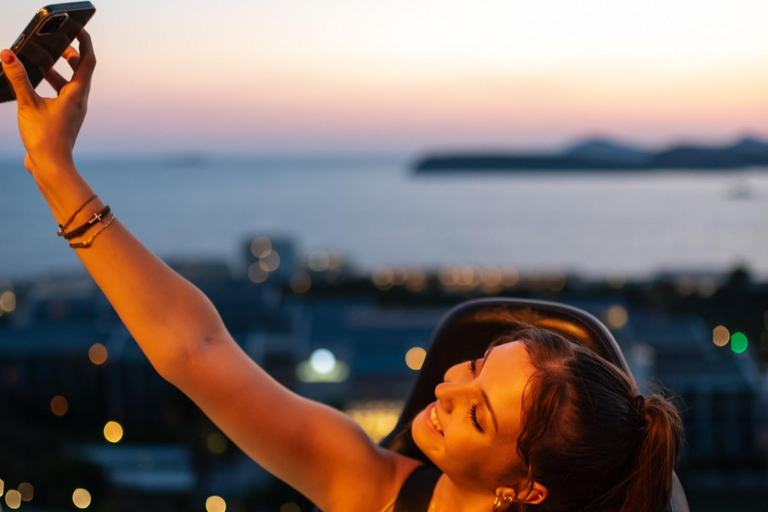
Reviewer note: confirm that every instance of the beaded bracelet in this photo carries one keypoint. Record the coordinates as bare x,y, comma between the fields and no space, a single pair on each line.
87,243
85,227
63,227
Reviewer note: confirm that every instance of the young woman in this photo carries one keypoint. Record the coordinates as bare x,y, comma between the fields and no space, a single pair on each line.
538,423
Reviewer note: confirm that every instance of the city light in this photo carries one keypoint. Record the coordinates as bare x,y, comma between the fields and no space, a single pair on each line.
323,361
217,443
290,507
739,342
616,317
27,491
98,354
306,372
2,487
81,498
260,245
301,282
376,417
8,301
414,358
13,499
215,504
616,281
720,336
269,261
59,405
318,261
256,273
113,432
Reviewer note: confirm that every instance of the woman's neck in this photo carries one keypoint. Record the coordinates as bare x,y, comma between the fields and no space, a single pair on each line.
448,496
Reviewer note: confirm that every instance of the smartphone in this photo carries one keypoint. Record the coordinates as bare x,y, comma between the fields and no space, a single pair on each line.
41,44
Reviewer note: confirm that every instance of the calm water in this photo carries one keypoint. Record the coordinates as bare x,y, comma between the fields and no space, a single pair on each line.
376,212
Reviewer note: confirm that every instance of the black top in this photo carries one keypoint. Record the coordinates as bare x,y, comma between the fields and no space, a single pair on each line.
416,492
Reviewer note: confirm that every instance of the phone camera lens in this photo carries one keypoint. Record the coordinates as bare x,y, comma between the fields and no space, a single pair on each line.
53,24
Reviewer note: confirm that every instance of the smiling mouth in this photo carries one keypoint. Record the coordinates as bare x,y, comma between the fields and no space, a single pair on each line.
435,420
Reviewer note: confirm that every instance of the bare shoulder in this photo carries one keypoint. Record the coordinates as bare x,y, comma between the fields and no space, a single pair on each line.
374,490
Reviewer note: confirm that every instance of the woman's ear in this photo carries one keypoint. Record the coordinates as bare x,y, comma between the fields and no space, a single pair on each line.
533,497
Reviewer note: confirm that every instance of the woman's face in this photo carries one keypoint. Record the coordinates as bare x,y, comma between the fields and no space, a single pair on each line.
476,455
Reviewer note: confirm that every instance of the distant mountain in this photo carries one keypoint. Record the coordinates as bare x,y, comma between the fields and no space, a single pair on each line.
607,151
600,154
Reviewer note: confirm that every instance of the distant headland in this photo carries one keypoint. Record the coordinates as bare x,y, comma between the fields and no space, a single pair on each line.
602,154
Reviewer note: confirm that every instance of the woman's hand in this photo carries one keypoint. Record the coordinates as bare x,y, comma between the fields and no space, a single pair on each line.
49,126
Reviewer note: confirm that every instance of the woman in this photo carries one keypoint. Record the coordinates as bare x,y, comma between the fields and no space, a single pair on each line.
540,422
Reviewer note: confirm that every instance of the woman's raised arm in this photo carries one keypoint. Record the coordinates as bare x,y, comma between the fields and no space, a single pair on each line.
167,315
315,448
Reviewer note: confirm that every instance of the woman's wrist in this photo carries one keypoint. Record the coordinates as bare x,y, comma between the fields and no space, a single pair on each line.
65,191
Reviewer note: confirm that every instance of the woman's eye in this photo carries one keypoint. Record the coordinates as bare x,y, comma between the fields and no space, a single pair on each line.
473,366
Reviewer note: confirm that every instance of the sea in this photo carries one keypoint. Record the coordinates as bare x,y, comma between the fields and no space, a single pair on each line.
375,211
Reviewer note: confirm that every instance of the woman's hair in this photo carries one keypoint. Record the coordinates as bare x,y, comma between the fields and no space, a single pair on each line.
587,434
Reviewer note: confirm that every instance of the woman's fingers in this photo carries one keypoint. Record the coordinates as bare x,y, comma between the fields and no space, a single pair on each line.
84,70
72,56
17,75
55,79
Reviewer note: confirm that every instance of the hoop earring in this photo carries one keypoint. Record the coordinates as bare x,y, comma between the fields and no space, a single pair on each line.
500,501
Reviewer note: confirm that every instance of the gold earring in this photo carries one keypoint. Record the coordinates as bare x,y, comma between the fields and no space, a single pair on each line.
500,501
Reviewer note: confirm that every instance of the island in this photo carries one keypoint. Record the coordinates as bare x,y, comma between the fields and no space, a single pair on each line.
602,154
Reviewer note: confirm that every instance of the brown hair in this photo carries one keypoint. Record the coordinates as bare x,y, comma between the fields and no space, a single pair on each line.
587,434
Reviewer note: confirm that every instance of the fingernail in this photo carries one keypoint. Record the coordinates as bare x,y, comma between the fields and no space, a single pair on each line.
8,58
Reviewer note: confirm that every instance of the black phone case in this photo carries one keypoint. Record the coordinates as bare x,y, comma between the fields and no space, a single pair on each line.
39,52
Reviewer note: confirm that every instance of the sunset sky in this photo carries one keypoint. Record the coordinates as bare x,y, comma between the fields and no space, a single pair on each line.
342,76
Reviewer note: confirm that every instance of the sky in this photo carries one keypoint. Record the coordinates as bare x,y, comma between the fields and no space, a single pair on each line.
412,76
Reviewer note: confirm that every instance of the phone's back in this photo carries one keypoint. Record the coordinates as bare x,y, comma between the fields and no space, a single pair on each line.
46,37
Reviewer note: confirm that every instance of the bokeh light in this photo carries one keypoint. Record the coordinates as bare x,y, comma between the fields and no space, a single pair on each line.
98,354
59,405
318,261
13,499
269,261
290,507
616,317
720,336
8,301
739,342
256,273
260,245
113,432
27,491
215,504
81,498
301,282
414,358
217,443
322,361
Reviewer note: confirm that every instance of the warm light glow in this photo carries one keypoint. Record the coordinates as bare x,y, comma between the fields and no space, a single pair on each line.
720,336
81,498
290,507
215,504
300,282
113,432
8,301
318,261
616,317
383,277
27,491
269,261
217,443
377,417
739,342
13,499
260,245
2,487
555,282
59,405
414,358
509,276
256,273
707,287
97,354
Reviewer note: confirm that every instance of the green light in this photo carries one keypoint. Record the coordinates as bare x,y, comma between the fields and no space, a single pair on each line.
739,342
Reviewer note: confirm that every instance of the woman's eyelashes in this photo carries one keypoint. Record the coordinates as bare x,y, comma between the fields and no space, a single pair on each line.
473,407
